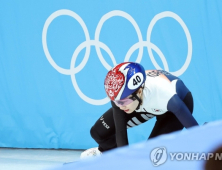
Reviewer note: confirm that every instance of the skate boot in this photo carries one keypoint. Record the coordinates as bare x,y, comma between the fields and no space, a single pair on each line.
92,152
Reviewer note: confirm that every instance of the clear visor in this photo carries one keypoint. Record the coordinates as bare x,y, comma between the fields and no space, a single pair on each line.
124,102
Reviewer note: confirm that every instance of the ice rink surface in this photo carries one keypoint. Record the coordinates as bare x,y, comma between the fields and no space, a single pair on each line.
35,159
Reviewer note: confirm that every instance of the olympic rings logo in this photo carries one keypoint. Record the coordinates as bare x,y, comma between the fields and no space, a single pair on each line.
98,45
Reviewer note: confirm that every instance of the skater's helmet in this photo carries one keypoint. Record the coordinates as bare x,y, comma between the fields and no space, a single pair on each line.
124,79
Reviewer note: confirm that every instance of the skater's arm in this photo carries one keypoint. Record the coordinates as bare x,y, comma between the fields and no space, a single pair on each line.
120,124
180,110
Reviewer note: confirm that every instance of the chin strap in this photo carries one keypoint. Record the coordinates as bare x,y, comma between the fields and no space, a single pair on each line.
139,100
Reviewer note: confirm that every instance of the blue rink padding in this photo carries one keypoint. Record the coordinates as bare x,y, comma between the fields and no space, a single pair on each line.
202,139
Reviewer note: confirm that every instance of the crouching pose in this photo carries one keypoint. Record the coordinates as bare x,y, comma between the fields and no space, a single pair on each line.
136,96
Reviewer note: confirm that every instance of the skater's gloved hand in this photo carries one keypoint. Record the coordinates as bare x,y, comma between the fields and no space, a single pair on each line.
90,153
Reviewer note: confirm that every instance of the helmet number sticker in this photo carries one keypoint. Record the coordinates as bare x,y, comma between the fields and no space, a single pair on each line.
135,81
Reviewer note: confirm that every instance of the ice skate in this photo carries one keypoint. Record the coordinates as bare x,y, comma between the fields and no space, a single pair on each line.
92,152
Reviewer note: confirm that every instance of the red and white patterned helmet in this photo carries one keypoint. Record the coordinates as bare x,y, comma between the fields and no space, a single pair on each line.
124,79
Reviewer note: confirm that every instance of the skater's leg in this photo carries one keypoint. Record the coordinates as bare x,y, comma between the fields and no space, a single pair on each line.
168,122
103,131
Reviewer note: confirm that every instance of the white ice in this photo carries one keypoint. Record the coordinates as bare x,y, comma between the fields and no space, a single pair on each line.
35,159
